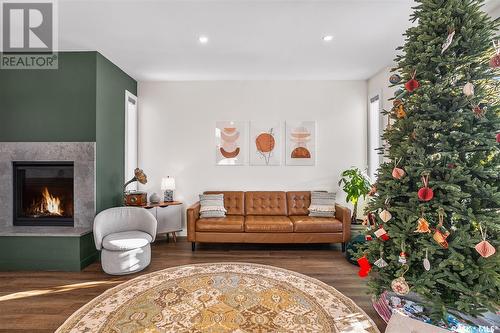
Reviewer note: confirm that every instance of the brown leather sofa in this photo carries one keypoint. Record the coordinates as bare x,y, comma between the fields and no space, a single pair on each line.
268,217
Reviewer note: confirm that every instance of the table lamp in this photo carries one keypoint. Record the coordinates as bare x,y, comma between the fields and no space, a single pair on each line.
168,187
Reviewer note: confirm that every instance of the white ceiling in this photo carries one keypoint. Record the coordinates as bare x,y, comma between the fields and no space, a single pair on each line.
248,40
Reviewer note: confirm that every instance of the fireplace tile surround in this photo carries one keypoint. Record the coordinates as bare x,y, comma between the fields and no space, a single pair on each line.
82,154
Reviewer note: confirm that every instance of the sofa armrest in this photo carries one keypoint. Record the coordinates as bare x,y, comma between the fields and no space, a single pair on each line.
192,214
343,214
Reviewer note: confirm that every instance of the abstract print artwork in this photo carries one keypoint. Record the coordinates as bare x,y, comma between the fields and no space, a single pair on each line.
230,142
300,142
265,145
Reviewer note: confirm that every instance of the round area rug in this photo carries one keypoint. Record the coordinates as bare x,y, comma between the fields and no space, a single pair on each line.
220,297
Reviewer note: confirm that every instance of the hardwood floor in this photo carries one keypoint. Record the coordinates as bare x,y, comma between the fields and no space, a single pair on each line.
41,301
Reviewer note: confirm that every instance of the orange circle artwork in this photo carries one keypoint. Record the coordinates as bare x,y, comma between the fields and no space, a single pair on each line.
265,142
301,152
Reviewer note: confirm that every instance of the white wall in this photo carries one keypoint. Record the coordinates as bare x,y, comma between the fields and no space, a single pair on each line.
177,124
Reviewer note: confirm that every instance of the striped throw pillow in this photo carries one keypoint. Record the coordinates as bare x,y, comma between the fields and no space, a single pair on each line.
212,205
322,204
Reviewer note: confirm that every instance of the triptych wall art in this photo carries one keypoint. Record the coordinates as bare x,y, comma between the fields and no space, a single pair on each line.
264,144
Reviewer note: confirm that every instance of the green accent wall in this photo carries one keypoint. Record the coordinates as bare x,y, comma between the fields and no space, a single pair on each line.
47,253
110,131
83,100
50,105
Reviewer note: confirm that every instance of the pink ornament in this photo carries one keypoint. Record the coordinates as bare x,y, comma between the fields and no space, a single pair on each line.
425,193
398,173
485,249
495,61
498,137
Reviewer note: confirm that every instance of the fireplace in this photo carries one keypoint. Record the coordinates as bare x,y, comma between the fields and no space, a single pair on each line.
43,193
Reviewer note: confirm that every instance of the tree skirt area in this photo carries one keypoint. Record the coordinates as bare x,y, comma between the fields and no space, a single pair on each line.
221,297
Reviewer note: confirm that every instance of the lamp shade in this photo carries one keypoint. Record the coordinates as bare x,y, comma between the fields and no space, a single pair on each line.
168,183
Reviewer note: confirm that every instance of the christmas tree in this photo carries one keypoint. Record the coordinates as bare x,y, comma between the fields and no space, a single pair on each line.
433,220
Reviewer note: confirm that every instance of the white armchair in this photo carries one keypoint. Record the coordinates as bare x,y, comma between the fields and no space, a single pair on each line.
123,235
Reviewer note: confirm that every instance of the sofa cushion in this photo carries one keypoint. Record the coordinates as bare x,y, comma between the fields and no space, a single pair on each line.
265,203
212,205
234,201
322,204
256,223
231,223
126,240
298,202
315,224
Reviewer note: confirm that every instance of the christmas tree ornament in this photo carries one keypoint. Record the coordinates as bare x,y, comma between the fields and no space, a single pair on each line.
448,41
484,248
425,193
399,285
368,237
398,173
468,89
498,137
423,226
478,111
495,60
385,215
400,111
382,234
402,254
396,102
440,233
412,84
399,93
394,79
426,262
380,263
364,266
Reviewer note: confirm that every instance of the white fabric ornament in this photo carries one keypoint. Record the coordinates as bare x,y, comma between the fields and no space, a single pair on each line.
447,42
380,263
427,263
468,89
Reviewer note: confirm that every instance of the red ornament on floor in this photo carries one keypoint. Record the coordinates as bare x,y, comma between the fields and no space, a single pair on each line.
364,266
412,84
425,193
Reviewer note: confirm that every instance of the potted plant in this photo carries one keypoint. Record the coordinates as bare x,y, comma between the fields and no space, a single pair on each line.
355,185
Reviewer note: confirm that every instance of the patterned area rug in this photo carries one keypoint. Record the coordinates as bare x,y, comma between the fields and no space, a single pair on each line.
221,297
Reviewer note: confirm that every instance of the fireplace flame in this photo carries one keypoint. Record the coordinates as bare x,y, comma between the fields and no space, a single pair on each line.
49,205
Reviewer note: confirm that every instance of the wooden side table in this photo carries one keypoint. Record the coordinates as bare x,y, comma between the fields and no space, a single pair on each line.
168,215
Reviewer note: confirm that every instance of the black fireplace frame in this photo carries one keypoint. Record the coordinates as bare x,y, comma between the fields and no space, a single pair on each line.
16,196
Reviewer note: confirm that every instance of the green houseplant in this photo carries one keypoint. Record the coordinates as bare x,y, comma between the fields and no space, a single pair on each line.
355,185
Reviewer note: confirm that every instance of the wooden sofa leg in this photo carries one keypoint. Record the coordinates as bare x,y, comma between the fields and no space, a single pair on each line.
343,246
193,246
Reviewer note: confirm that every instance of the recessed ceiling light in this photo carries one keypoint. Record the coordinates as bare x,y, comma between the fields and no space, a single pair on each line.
203,39
328,38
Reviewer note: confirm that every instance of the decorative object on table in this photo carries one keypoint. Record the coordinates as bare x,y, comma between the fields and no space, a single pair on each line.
123,235
265,143
212,205
448,41
484,248
412,84
300,142
253,293
168,187
231,142
154,198
356,185
394,78
135,198
322,204
364,266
